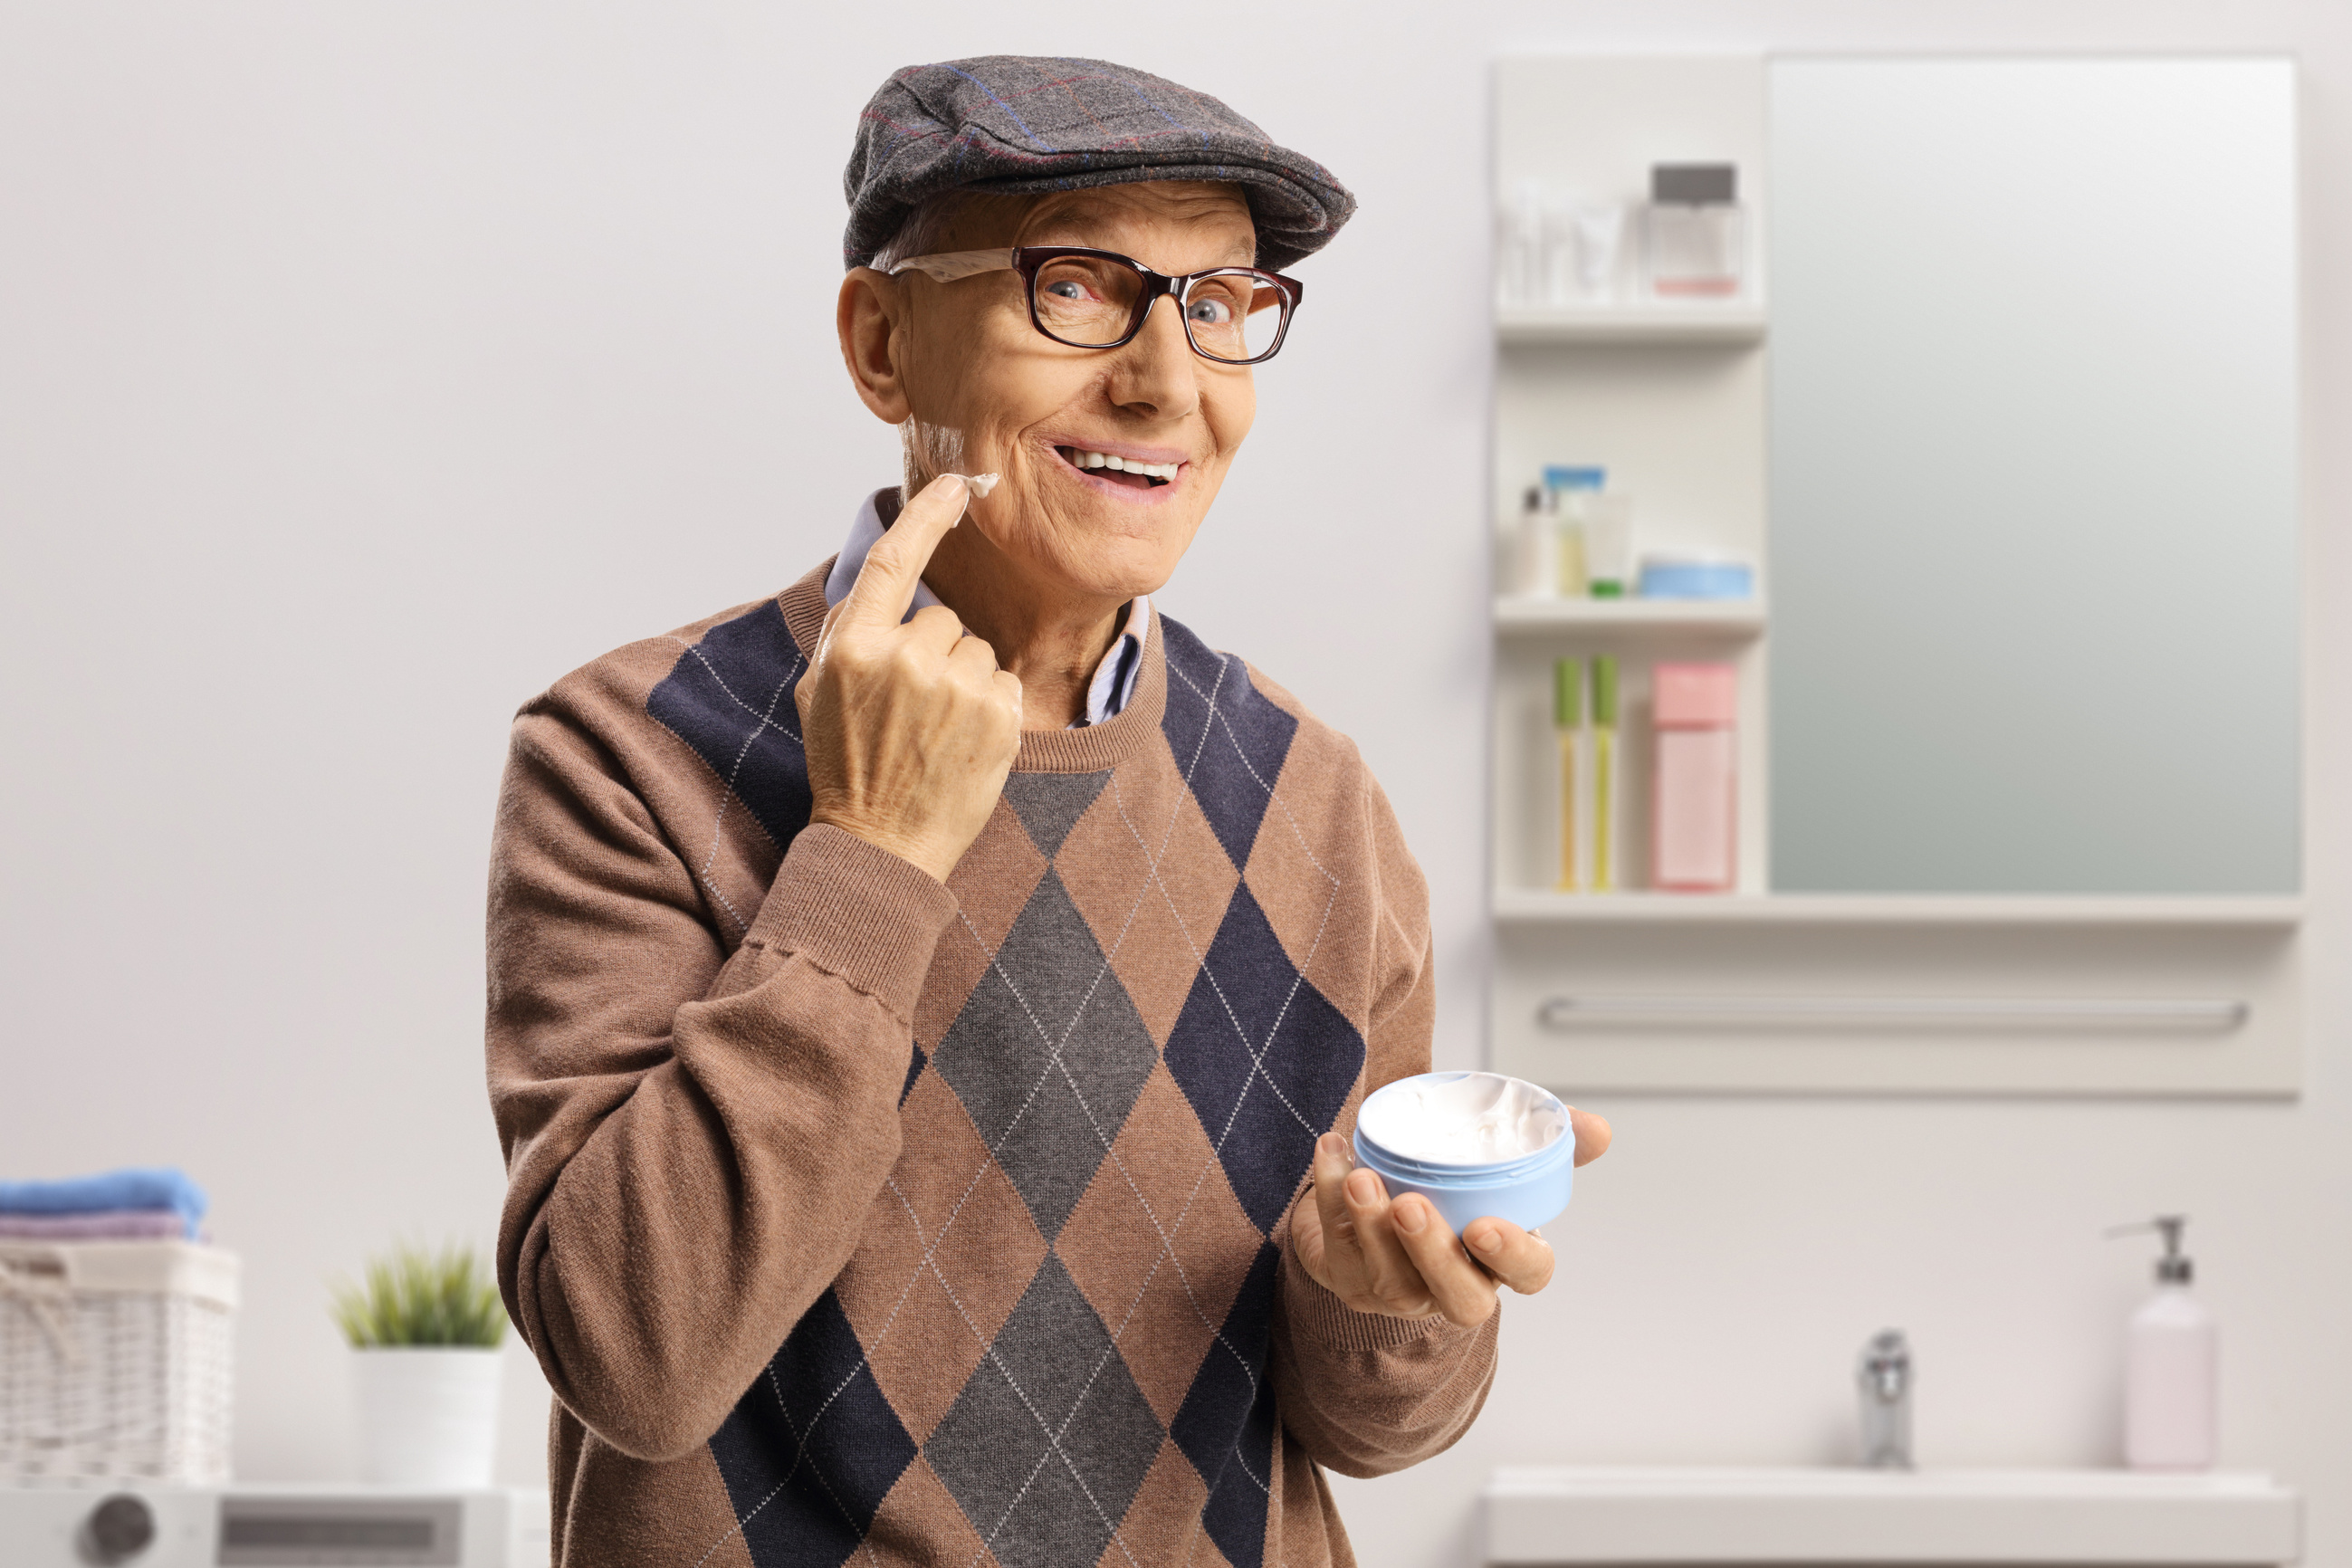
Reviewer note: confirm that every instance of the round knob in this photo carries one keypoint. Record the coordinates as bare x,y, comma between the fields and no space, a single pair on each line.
120,1529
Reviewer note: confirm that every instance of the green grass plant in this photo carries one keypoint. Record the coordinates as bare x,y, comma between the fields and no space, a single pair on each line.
410,1297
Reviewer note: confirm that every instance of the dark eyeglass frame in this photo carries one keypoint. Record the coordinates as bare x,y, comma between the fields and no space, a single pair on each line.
1030,259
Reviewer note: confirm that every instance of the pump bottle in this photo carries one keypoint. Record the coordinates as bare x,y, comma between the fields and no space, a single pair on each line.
2171,1366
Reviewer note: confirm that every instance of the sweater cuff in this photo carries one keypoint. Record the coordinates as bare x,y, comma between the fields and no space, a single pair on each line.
856,912
1316,1313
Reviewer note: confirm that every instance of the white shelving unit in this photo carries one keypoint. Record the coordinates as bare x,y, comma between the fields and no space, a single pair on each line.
1534,907
1966,995
1655,324
1640,618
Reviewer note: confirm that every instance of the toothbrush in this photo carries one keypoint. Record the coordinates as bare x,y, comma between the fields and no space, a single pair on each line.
1567,718
1604,772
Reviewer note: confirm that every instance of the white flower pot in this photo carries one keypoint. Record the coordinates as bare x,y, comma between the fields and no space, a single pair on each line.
428,1414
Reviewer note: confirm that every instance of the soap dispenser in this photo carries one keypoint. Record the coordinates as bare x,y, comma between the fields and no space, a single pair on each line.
2171,1366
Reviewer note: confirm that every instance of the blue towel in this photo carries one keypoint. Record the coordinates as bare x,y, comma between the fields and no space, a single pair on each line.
162,1187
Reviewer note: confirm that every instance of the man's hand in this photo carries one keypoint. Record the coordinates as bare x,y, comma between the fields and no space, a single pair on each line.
1400,1258
910,728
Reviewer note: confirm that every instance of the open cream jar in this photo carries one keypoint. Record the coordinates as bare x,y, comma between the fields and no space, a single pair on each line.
1476,1144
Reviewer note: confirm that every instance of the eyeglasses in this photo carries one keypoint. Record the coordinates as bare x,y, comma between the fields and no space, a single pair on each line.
1099,298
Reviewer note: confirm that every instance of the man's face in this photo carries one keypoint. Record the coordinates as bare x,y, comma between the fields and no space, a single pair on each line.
991,394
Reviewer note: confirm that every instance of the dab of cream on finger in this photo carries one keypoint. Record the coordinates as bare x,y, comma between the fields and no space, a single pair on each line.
979,484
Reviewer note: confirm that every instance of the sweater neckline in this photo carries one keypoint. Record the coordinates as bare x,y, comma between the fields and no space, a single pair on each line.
1085,751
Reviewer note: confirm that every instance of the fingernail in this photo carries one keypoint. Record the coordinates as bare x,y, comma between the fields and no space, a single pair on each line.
1331,1146
1412,1218
1488,1241
1363,1187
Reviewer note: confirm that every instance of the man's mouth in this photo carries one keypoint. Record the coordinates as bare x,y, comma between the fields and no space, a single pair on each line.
1118,471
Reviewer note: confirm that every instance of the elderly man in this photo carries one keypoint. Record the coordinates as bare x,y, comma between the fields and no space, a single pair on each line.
924,1004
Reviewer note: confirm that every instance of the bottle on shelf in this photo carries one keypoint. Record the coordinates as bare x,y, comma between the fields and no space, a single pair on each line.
1604,774
1574,490
1568,724
1519,249
1694,232
1694,809
1608,523
1600,230
2173,1354
1531,540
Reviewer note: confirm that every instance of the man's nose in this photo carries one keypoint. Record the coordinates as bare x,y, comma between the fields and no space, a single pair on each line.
1159,372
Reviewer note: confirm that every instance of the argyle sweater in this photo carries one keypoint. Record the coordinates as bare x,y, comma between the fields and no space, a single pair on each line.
858,1218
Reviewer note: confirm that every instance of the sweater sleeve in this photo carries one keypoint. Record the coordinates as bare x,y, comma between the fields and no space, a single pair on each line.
692,1139
1363,1392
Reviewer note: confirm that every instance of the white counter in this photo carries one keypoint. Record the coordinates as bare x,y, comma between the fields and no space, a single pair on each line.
1735,1516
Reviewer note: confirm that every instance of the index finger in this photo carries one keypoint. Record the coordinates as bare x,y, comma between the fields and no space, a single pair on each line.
887,582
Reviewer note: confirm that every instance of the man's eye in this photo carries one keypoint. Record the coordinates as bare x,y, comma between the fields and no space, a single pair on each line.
1210,313
1066,289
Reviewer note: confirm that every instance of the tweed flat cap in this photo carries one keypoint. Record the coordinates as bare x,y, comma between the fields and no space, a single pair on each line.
1019,124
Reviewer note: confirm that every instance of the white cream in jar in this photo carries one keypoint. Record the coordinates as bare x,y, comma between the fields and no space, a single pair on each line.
1463,1118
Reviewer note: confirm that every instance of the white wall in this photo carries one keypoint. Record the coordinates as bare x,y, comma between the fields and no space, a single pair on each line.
363,367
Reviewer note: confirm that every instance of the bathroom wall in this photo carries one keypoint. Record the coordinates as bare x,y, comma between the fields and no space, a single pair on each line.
363,367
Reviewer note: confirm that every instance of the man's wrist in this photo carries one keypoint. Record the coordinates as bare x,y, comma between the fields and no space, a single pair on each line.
925,858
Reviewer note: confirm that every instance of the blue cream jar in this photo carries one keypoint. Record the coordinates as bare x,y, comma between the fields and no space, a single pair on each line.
1476,1144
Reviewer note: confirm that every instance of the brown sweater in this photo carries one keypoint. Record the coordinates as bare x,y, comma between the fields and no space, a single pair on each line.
856,1217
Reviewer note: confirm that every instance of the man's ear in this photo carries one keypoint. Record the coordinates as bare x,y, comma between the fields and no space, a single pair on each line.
870,315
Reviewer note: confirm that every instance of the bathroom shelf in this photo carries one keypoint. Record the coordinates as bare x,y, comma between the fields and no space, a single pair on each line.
1632,618
1737,323
1515,906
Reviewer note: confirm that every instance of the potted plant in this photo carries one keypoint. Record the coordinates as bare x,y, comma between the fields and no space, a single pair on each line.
424,1330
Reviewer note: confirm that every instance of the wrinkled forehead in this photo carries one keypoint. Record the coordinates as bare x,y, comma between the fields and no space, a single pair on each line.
1170,225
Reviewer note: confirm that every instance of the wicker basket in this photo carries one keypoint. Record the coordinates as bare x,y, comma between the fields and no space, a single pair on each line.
114,1363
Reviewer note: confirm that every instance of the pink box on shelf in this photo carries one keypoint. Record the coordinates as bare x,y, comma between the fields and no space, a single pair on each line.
1694,809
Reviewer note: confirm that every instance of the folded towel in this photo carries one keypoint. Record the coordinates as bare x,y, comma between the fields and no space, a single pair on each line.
115,1225
161,1187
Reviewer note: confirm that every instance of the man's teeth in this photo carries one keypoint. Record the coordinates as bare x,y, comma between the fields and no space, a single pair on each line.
1124,465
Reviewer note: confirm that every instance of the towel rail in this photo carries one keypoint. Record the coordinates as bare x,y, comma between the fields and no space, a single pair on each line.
2007,1014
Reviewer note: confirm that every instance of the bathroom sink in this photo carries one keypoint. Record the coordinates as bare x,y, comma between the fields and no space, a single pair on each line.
1729,1516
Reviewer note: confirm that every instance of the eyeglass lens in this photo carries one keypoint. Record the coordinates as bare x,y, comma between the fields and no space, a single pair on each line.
1087,301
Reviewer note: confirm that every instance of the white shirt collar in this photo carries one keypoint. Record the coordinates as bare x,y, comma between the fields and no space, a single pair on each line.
1113,685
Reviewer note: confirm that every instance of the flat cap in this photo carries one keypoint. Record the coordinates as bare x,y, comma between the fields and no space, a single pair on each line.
1018,124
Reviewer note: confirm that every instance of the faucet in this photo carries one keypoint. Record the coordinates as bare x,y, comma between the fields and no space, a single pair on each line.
1882,1374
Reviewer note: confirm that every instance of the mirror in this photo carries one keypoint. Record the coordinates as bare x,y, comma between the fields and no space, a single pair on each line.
2034,516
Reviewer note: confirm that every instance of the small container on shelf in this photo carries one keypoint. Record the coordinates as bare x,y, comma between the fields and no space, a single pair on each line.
1694,232
1690,576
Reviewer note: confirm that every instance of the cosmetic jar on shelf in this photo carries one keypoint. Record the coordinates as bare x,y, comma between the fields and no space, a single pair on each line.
1694,233
1424,1134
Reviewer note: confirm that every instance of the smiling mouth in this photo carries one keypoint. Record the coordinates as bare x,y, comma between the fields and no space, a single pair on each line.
1119,470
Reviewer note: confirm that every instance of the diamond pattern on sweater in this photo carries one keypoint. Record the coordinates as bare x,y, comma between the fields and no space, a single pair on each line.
1049,805
1234,1515
1267,1062
1050,1439
730,698
1229,741
947,1250
1048,1055
1166,1512
1217,1409
808,1454
1164,915
1159,1241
